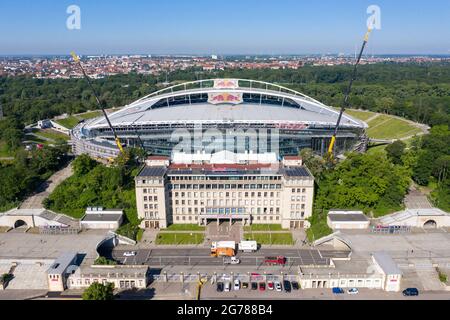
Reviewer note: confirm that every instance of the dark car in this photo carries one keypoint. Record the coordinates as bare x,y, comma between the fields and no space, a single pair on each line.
295,285
287,286
410,292
219,287
262,286
244,285
254,286
338,291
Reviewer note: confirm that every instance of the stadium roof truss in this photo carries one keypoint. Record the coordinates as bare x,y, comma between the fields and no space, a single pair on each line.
300,108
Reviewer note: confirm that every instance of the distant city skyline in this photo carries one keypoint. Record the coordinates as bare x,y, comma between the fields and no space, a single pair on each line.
175,27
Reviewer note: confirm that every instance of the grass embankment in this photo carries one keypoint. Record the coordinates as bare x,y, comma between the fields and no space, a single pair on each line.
51,134
72,121
69,122
361,115
179,238
383,126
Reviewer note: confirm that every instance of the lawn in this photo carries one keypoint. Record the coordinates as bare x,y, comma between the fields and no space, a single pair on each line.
393,128
270,238
263,227
89,115
179,238
185,227
361,115
51,134
378,120
69,122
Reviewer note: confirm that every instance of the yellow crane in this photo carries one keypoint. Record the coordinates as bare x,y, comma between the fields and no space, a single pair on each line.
116,137
347,94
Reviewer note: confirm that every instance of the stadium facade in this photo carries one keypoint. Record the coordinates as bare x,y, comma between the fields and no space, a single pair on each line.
222,114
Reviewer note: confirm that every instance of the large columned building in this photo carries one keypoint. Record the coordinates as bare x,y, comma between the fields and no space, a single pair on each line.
251,189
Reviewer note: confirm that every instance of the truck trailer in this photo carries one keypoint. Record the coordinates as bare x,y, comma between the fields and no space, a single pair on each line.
248,246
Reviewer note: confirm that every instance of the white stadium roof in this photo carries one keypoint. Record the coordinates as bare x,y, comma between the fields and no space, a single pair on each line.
311,111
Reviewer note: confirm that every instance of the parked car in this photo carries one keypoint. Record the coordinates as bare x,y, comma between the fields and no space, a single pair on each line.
227,287
338,291
410,292
287,286
219,286
245,285
254,286
270,285
237,285
129,253
262,286
295,285
353,291
278,286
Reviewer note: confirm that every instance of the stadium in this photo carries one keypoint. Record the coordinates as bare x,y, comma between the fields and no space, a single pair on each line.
266,117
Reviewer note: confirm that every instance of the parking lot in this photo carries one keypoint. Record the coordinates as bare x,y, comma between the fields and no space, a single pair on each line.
209,292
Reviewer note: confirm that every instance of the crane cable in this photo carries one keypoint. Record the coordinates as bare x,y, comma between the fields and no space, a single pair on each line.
347,93
116,137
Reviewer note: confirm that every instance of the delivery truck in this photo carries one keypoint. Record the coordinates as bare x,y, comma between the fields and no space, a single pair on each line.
223,249
248,246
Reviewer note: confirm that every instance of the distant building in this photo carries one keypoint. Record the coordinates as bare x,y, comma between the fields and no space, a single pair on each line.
347,220
59,271
199,191
44,124
99,218
123,277
391,272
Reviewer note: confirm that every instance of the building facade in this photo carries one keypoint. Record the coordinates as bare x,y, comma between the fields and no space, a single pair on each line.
251,193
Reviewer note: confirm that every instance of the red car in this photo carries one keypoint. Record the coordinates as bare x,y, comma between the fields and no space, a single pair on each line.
262,286
270,285
271,261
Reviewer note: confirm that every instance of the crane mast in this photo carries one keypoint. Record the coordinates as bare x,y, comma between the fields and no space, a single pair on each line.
347,94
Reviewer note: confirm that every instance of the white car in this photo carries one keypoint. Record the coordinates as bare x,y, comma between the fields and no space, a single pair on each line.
227,287
353,291
278,286
130,254
237,285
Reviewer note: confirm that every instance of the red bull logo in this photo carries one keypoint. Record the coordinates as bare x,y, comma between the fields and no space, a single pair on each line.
232,98
226,84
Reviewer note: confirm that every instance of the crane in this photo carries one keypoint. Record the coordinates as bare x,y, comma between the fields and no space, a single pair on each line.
347,94
116,137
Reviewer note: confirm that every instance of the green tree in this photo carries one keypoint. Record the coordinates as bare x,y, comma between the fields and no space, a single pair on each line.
83,164
104,261
98,291
395,152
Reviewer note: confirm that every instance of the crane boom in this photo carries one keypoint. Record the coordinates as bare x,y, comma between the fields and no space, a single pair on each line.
347,93
116,137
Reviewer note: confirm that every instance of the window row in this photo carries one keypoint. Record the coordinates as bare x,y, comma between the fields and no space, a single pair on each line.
227,194
225,186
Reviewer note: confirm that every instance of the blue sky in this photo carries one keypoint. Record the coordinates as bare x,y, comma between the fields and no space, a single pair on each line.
223,27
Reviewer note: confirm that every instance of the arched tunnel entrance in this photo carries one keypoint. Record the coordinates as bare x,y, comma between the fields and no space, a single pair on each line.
430,224
20,224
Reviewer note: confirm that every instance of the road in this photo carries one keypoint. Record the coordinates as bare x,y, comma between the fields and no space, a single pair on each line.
201,257
44,190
